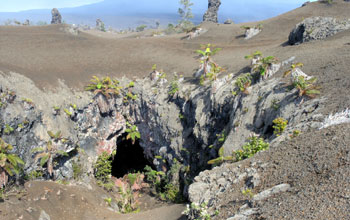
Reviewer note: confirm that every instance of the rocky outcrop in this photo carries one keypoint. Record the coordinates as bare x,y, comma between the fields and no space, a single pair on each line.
100,25
251,32
228,21
317,28
56,16
211,15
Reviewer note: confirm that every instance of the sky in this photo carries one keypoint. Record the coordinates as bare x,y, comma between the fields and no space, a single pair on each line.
21,5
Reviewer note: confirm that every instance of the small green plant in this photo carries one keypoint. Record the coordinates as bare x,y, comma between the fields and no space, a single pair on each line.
108,201
208,52
243,82
295,134
56,110
248,192
55,136
279,126
264,65
47,155
105,86
221,159
159,182
35,174
27,100
221,137
174,87
212,75
292,68
10,164
181,117
8,129
306,87
275,105
205,59
249,149
257,54
132,132
74,106
131,84
77,170
68,113
103,168
130,96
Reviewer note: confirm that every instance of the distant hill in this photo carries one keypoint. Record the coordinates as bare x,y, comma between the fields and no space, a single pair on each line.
126,13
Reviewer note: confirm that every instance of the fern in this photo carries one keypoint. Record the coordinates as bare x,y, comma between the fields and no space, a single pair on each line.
10,164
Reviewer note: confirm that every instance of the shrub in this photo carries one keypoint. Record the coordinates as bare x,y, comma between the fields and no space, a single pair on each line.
251,148
243,82
264,65
209,68
47,155
174,87
185,13
212,75
279,126
10,164
105,86
306,87
103,168
133,132
141,28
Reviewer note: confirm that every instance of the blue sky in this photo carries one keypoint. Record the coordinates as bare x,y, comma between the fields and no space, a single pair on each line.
20,5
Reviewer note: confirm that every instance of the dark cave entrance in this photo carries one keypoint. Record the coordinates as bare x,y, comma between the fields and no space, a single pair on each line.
129,158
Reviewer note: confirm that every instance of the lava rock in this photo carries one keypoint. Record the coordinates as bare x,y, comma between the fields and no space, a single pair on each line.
212,13
56,16
317,28
100,25
228,21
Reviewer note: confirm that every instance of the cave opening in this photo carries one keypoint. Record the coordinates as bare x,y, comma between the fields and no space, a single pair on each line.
130,158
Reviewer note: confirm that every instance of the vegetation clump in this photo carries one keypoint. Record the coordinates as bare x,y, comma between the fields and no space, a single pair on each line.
242,83
306,87
208,68
249,149
103,168
174,87
161,185
132,132
185,13
221,159
105,86
50,153
261,65
279,126
10,164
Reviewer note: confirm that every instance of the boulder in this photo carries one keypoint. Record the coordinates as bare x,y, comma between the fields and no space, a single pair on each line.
251,32
212,13
56,16
317,28
228,21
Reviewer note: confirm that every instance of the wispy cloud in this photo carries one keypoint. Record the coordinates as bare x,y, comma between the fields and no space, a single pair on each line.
21,5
